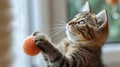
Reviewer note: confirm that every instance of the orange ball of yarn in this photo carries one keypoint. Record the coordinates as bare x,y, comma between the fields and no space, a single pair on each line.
29,46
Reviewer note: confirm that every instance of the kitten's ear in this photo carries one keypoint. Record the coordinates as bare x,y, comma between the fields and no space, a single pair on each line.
86,8
102,19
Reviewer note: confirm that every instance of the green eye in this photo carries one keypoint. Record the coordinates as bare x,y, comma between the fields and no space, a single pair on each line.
81,22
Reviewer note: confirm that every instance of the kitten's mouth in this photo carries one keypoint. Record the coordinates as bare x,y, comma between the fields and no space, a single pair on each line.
72,34
74,30
71,29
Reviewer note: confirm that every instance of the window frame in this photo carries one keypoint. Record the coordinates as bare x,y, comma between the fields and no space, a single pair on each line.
48,12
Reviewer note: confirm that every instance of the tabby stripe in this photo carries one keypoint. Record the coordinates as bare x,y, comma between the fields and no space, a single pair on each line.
81,31
57,58
43,49
67,63
78,28
74,63
90,32
85,15
84,59
62,62
79,59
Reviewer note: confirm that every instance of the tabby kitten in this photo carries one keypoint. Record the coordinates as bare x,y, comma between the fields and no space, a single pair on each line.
86,34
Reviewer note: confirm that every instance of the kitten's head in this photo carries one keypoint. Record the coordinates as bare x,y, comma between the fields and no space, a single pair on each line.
87,26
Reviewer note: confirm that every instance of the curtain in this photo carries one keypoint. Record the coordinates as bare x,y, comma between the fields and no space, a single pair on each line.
5,33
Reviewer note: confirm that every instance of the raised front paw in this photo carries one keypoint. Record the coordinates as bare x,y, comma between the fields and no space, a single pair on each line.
41,41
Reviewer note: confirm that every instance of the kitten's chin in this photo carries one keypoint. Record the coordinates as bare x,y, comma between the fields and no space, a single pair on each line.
75,39
71,36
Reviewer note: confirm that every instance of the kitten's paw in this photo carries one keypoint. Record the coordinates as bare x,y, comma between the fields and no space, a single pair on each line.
41,40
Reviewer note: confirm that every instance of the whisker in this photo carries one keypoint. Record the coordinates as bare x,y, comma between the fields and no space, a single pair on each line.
61,21
54,30
59,24
57,33
58,38
58,27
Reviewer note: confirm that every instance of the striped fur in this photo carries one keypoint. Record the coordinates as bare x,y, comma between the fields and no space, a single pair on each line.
82,47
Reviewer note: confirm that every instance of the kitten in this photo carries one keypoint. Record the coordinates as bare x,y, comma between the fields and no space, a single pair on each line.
86,34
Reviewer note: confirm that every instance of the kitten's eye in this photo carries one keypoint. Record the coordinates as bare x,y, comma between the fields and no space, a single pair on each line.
81,22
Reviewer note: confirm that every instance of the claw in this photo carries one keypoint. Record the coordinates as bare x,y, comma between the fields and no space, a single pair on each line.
35,33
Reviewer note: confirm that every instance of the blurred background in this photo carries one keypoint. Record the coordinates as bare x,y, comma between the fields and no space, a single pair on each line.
19,18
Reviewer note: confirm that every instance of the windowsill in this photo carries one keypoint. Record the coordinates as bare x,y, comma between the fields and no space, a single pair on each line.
111,55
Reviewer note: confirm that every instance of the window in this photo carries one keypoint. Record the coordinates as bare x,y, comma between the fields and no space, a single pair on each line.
32,15
111,49
98,5
26,19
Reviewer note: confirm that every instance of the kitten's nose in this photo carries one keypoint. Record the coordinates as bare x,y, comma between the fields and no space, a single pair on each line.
72,23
